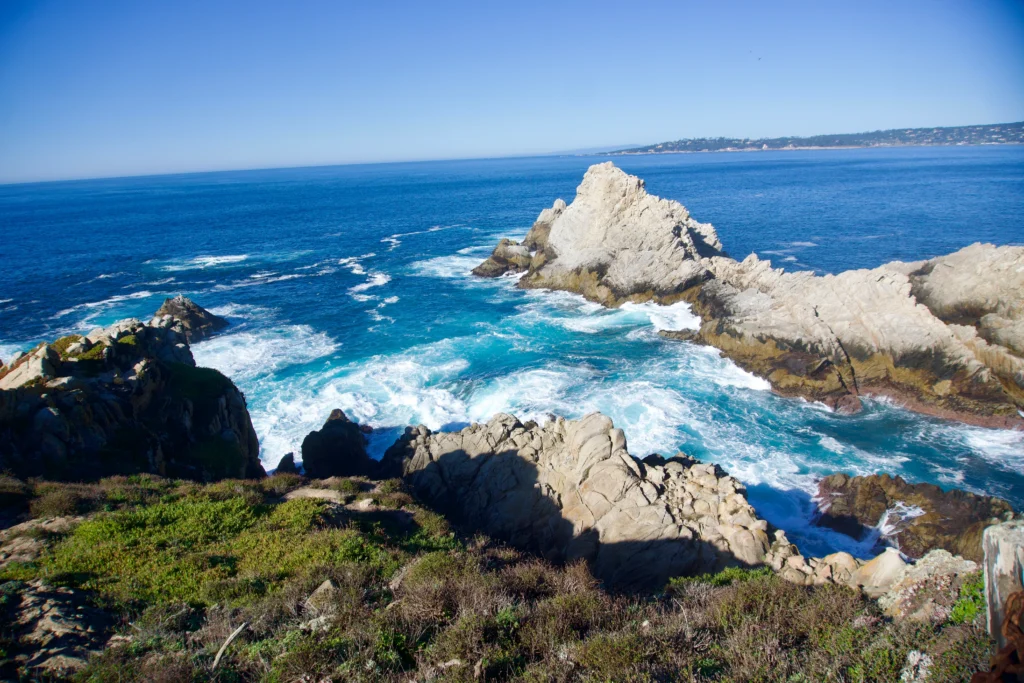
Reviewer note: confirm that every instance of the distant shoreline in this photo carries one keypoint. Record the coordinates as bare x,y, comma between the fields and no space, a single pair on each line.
952,136
794,149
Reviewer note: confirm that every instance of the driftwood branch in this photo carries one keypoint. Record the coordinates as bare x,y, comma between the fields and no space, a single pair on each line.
224,647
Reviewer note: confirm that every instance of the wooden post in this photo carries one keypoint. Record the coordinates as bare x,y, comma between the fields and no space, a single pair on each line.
1003,545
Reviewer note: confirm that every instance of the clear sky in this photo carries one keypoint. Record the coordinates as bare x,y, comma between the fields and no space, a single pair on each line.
119,87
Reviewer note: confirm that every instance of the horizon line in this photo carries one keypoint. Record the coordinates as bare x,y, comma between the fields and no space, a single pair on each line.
611,151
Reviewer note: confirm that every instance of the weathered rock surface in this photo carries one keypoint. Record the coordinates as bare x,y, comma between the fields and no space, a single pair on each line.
570,490
197,322
120,400
943,336
916,518
338,449
1004,572
53,631
508,257
927,590
616,242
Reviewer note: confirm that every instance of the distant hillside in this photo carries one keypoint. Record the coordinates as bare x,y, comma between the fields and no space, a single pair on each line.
994,134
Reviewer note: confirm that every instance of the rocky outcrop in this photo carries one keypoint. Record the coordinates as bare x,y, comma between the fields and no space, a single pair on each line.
123,399
197,322
570,490
616,242
943,336
927,590
916,518
508,257
338,449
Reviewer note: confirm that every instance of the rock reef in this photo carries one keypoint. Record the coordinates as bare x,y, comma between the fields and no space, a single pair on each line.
120,400
943,336
197,322
931,518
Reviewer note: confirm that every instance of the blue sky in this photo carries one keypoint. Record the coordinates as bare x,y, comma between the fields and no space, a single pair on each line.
108,87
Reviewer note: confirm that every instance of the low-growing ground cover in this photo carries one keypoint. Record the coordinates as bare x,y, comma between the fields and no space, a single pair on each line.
359,582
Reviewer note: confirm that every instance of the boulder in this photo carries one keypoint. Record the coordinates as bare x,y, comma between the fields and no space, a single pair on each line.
916,518
943,337
508,257
570,490
197,322
287,465
877,576
338,449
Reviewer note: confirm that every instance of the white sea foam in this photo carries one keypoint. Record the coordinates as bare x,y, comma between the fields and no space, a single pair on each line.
832,445
7,350
155,283
446,267
105,303
802,244
108,276
374,280
246,356
677,316
391,300
5,301
243,311
203,262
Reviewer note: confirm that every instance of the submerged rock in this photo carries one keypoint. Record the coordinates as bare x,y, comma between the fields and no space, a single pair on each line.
570,490
943,336
121,400
917,517
338,449
197,322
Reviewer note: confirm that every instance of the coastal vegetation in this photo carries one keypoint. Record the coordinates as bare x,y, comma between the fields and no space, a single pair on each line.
351,579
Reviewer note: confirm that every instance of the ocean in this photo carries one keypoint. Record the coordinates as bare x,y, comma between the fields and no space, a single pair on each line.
349,287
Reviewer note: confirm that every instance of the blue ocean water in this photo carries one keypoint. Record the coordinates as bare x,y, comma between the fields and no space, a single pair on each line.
349,287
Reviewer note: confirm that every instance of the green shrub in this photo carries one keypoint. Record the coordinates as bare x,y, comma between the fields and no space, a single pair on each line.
971,602
726,577
62,344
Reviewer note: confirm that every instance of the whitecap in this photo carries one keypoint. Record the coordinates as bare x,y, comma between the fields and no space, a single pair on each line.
802,245
203,262
677,316
374,280
105,303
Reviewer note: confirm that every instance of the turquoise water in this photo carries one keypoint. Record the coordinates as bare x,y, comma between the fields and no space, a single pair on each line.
349,287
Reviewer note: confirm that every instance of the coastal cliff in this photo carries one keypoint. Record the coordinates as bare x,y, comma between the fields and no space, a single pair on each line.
122,400
942,336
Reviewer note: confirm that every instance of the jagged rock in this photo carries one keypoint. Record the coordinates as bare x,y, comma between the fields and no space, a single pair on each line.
287,465
1004,572
943,336
617,242
338,449
952,520
121,400
508,257
926,590
23,543
569,490
197,322
55,630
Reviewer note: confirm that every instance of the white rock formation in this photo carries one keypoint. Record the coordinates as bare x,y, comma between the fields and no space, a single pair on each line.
944,335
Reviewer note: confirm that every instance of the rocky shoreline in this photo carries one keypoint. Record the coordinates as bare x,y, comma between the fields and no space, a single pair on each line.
942,337
129,400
